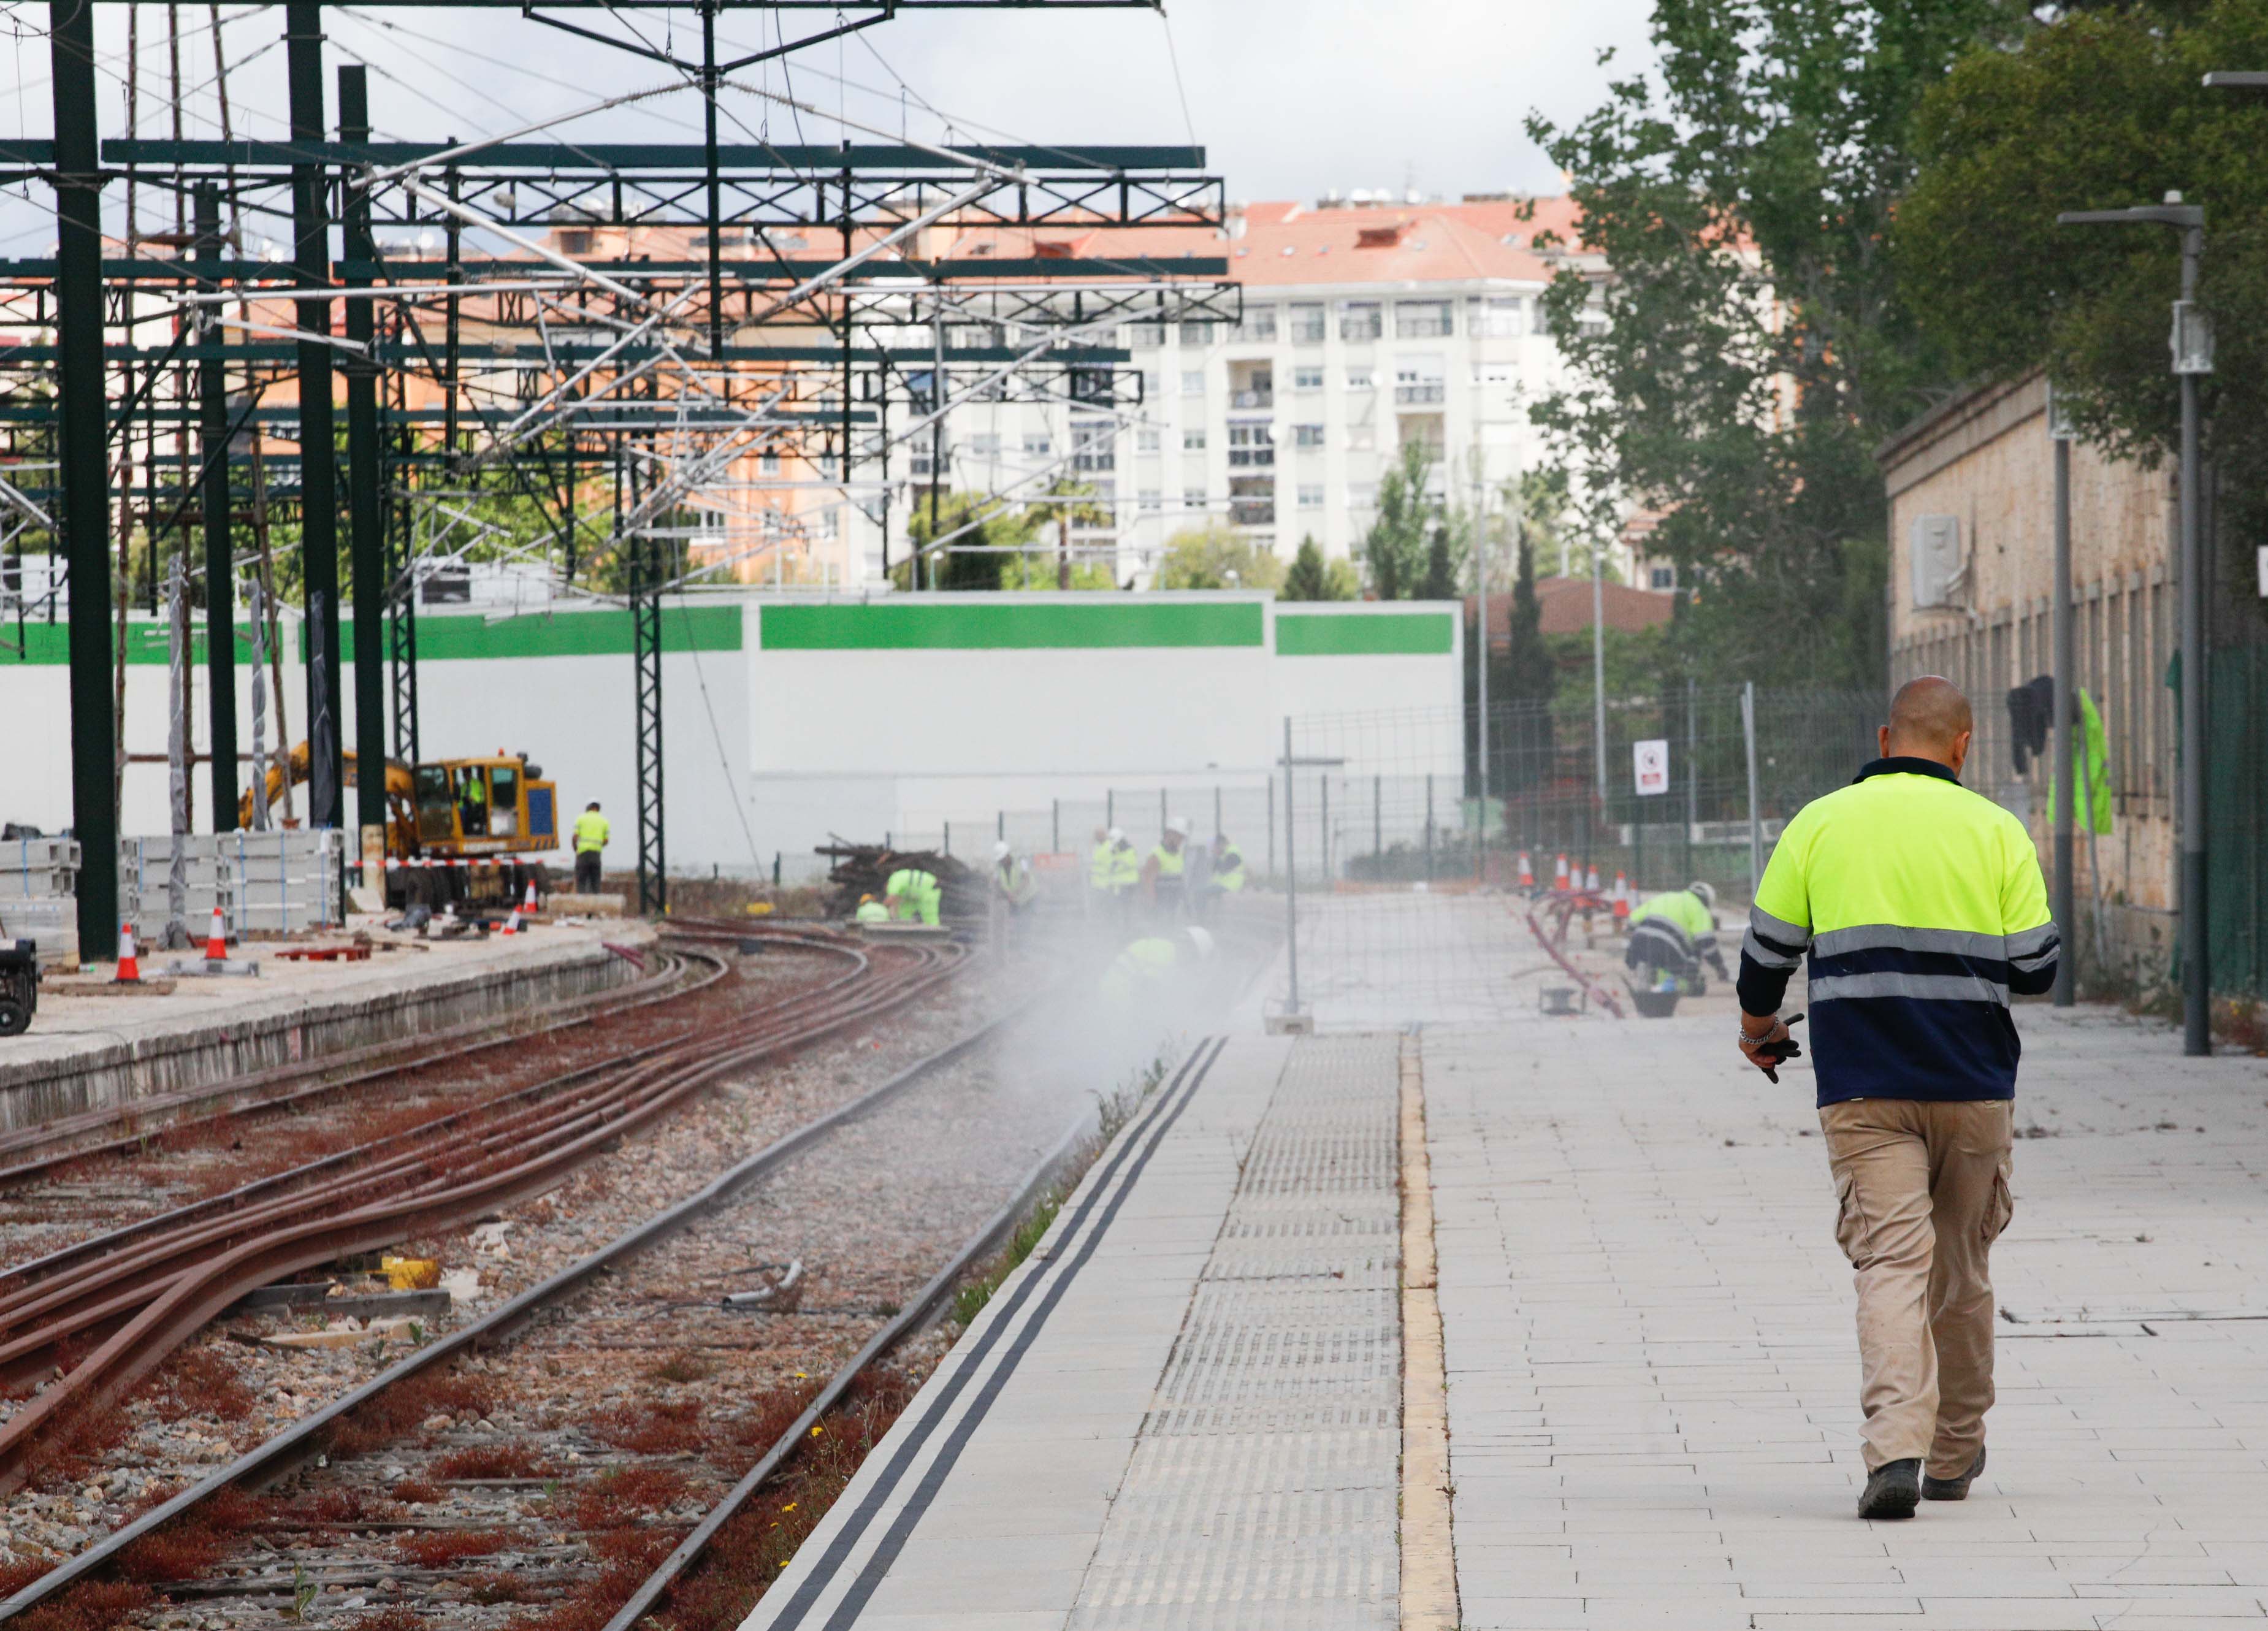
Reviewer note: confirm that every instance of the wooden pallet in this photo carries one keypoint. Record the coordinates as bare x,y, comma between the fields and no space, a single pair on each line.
325,954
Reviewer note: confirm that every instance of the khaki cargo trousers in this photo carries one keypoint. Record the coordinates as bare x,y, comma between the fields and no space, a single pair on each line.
1921,1190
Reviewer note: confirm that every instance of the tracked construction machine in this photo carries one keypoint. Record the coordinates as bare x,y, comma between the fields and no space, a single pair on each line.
456,830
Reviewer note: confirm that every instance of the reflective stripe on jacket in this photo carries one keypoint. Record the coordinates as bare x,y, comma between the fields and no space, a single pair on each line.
1922,908
1680,917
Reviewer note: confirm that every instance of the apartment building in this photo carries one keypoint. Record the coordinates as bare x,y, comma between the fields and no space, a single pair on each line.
1368,324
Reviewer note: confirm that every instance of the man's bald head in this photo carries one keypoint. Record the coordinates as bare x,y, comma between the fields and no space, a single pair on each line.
1930,719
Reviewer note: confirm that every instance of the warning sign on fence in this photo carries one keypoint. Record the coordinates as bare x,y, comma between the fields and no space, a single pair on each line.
1650,762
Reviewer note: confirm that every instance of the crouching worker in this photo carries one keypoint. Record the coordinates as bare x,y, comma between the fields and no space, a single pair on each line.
912,895
1672,935
1155,965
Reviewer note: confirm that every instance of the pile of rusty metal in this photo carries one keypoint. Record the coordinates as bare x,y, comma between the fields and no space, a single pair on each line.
861,870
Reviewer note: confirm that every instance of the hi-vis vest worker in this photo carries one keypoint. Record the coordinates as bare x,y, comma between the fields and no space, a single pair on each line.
1674,932
1922,910
1228,867
913,895
1125,863
1100,865
591,831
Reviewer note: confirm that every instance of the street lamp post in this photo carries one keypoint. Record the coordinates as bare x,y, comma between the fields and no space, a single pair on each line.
2063,712
2192,361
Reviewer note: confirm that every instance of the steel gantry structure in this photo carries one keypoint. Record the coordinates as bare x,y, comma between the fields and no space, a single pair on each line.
594,328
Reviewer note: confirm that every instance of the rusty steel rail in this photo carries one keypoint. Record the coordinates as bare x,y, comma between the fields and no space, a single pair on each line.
302,1440
159,1293
275,1088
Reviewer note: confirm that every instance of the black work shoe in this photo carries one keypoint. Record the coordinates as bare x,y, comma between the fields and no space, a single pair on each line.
1893,1489
1954,1488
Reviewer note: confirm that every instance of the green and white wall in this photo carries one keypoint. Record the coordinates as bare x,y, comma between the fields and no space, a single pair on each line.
788,719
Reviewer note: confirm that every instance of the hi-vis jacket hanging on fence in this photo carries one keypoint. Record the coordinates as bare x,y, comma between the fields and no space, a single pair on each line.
2090,771
1922,907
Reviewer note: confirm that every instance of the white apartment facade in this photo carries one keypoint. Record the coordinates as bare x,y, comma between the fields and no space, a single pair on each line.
1365,325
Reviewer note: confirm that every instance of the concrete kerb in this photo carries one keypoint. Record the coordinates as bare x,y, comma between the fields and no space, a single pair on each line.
269,1029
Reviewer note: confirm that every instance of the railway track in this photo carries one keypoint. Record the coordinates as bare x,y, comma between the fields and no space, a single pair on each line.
589,1513
28,1155
126,1298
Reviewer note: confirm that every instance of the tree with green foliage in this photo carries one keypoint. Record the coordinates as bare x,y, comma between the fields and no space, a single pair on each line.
1216,555
1313,577
961,569
1754,349
1397,547
2097,110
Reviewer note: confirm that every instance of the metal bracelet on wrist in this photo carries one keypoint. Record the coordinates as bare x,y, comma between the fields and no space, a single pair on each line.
1746,1038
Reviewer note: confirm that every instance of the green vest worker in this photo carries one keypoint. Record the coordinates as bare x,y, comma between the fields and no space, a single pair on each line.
1228,867
1125,864
1165,873
590,837
913,895
1674,934
1921,907
871,910
1147,968
1098,863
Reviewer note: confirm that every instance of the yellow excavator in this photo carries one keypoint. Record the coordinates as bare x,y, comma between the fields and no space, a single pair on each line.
487,810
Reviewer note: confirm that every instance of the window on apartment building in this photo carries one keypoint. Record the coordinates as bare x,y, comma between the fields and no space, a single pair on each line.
1306,378
1666,578
1251,444
1153,383
1094,443
1311,495
1193,498
1037,445
1139,335
1306,436
1193,382
768,464
1421,319
1308,326
1193,440
1362,495
1148,439
1419,382
1151,498
984,445
1200,331
1493,316
1362,437
1592,321
1360,319
1362,380
1259,323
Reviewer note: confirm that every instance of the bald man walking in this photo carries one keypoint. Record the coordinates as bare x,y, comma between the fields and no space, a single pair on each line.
1922,908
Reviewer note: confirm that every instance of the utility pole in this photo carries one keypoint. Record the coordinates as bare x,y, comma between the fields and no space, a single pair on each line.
1599,664
1480,592
85,473
220,554
2192,361
2064,713
366,523
319,519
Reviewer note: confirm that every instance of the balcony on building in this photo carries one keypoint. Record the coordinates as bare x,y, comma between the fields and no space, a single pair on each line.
1251,387
1251,445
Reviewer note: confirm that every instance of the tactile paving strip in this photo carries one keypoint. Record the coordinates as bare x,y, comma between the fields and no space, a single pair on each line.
1263,1492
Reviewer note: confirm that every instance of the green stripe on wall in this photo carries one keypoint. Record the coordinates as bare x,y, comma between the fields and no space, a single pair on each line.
999,623
439,640
1363,634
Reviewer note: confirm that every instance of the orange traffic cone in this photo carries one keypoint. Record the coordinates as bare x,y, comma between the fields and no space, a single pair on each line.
1591,884
512,924
1559,874
216,941
530,905
1622,900
1526,872
129,966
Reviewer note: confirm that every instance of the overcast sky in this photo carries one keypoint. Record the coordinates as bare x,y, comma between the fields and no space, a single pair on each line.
1292,98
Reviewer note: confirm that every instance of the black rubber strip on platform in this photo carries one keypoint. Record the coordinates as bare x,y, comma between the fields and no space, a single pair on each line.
1163,1116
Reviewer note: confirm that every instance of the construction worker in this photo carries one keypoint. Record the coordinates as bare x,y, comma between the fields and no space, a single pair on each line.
1922,908
1151,966
473,802
589,840
1671,935
1165,874
1012,878
871,911
1227,875
913,895
1099,865
1125,871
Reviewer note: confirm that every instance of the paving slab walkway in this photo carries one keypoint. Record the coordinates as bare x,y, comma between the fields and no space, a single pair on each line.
1653,1378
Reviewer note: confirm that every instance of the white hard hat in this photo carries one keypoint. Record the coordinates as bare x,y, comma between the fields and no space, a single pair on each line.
1179,824
1707,893
1118,835
1200,940
1000,850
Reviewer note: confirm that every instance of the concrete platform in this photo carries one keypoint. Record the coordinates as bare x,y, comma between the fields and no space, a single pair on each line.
1204,1403
86,1052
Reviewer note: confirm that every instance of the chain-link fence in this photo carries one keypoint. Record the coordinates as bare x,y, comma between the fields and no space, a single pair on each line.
1399,852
